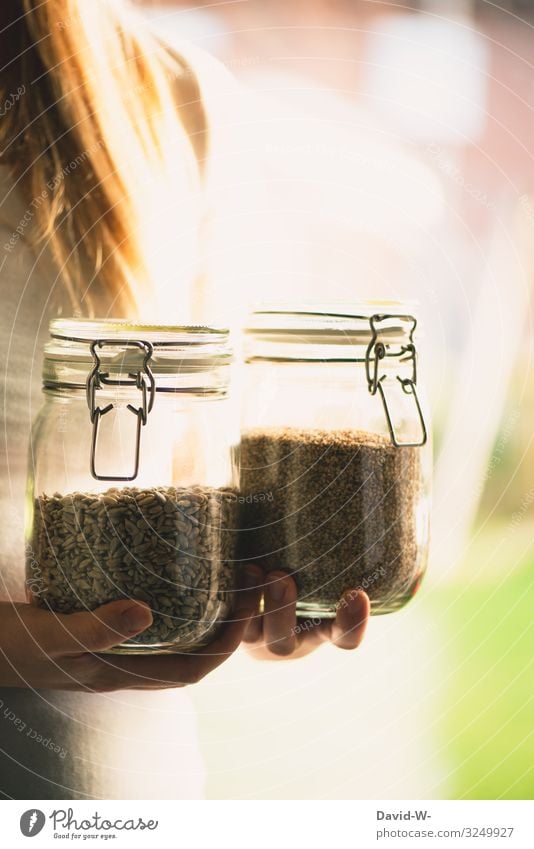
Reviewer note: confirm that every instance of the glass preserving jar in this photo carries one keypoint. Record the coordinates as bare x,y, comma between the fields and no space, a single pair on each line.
335,453
133,477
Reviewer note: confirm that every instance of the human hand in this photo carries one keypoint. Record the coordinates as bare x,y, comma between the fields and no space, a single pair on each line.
41,649
278,634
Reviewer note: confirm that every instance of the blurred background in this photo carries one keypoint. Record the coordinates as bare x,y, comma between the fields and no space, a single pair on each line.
385,150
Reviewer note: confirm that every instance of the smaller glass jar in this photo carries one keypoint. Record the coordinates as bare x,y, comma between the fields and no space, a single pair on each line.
133,478
335,453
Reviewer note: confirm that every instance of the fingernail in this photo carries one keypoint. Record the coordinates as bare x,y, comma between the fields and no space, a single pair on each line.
277,589
355,602
136,618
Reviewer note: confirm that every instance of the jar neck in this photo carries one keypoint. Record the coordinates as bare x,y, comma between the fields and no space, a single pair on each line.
123,395
205,382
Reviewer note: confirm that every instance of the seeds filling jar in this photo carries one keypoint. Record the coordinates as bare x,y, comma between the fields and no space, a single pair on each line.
335,453
133,477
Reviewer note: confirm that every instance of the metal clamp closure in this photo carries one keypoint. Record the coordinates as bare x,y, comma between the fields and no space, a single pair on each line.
377,351
143,380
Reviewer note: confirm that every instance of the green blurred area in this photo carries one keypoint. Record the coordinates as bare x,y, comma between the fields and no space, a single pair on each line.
486,709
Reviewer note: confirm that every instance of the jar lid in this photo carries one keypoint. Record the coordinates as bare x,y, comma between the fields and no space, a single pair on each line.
301,332
378,334
121,347
88,329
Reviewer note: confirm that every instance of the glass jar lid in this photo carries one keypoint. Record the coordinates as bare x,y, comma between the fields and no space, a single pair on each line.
120,364
122,347
327,331
377,334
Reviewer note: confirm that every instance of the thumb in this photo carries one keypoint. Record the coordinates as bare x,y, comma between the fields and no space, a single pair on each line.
96,630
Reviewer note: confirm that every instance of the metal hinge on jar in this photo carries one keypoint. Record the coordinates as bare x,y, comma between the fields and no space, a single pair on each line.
377,350
143,380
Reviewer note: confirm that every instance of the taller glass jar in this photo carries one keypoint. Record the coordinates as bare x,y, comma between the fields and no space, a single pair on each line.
335,452
133,478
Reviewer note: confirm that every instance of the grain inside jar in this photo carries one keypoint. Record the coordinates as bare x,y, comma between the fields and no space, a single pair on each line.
171,547
337,510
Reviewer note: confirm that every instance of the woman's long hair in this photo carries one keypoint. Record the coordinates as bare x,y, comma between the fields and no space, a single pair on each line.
106,134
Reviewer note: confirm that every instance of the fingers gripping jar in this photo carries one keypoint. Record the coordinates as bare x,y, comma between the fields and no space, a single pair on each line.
132,477
335,453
